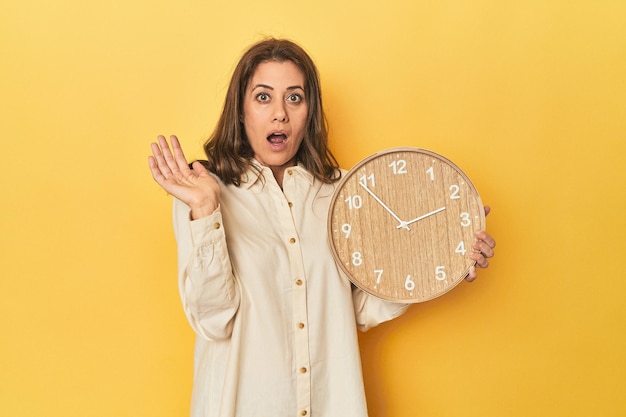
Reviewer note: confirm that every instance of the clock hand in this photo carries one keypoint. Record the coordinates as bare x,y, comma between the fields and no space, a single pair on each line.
421,217
402,223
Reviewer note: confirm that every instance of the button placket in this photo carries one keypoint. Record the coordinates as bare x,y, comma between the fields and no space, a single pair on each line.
302,358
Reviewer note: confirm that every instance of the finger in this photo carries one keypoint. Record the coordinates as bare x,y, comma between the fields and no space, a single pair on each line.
471,276
199,169
485,237
154,169
173,158
159,160
167,156
487,210
484,249
179,156
158,175
481,260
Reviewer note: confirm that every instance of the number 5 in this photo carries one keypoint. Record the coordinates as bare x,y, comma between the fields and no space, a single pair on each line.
440,274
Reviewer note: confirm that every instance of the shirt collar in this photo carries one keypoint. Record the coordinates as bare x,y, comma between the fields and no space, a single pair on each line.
257,172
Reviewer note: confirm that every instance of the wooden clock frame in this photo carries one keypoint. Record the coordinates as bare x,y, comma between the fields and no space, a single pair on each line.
401,224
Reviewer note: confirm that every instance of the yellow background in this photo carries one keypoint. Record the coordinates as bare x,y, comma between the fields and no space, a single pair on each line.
528,97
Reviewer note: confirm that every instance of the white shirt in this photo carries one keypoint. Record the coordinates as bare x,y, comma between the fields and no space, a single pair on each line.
275,318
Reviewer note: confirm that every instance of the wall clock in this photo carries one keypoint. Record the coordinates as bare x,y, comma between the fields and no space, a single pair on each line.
401,224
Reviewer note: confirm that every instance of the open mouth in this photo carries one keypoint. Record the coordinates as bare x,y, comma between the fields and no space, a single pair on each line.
277,138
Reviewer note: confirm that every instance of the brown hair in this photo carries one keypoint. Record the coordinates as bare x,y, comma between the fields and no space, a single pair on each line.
228,151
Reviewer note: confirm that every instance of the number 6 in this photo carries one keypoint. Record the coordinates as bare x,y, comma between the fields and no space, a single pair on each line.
409,284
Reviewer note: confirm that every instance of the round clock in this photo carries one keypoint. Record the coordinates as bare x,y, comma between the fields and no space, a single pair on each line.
401,224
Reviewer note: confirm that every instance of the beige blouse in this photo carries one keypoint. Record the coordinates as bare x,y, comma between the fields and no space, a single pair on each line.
275,318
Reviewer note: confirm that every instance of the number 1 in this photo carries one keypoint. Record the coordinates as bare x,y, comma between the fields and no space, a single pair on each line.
365,178
431,172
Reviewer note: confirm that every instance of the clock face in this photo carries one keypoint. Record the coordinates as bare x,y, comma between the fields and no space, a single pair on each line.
402,222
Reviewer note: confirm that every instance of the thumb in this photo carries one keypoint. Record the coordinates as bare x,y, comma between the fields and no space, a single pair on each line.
199,168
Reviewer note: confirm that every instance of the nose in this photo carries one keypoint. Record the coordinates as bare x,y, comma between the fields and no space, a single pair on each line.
280,112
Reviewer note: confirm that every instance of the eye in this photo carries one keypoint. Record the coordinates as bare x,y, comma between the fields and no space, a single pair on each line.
263,97
294,98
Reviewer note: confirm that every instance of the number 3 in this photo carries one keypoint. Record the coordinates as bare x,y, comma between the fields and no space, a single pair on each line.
465,219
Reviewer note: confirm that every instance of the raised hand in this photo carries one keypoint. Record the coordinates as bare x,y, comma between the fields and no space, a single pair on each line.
194,186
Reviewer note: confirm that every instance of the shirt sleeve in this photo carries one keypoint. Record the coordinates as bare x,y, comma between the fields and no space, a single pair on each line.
371,311
207,286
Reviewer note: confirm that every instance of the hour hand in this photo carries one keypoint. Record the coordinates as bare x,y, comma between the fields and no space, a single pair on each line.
406,224
394,215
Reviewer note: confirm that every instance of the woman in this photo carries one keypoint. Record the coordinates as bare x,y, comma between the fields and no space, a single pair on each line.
275,318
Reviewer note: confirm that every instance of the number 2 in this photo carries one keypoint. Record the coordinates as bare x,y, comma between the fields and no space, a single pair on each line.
455,192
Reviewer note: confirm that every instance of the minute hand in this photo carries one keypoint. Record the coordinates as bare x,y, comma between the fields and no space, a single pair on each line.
423,217
402,223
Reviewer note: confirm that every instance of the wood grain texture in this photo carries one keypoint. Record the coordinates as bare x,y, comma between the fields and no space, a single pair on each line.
402,222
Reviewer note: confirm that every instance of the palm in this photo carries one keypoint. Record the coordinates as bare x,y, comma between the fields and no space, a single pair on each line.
193,186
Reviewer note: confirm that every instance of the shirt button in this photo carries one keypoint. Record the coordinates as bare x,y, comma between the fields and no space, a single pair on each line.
292,240
298,282
290,172
303,413
217,226
300,325
303,370
290,204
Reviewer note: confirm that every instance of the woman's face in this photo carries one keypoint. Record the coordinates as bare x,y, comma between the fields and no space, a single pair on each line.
274,114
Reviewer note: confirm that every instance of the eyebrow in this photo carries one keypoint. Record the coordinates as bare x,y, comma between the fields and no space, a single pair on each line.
293,87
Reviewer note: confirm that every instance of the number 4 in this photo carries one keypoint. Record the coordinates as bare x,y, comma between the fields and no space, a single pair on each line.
460,248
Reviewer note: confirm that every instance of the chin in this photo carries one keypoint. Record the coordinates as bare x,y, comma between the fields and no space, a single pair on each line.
277,161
